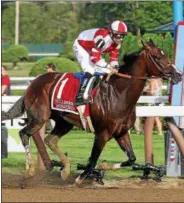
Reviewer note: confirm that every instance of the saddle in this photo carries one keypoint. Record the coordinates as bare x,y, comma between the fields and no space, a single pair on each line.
64,94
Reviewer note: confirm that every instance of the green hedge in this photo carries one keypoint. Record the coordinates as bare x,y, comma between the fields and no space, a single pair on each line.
62,65
68,51
17,92
15,53
130,45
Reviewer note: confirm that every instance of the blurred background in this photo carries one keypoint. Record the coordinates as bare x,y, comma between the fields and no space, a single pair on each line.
33,31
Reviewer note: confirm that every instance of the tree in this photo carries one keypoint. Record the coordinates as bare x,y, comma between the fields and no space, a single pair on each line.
15,53
60,22
153,13
138,15
8,23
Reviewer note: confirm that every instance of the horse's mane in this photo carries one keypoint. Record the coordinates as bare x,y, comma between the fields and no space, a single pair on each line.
128,60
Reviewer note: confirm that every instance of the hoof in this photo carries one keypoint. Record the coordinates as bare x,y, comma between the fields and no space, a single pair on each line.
30,173
78,181
65,174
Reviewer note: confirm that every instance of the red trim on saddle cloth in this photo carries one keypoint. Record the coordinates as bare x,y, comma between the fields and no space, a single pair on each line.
64,94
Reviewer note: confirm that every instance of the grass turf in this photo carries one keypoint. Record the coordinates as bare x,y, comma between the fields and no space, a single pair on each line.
23,69
78,145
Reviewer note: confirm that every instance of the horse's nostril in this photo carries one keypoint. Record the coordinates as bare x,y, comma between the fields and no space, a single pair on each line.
179,76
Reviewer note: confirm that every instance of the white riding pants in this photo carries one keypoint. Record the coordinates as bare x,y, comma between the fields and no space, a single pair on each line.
84,60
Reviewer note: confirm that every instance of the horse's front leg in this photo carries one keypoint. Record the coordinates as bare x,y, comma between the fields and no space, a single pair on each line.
125,144
98,145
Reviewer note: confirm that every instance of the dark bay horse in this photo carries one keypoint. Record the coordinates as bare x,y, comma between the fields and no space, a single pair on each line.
112,112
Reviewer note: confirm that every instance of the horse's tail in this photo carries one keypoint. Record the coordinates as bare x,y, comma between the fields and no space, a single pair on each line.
15,111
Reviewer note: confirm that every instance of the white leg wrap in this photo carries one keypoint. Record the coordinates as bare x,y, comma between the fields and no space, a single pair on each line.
116,166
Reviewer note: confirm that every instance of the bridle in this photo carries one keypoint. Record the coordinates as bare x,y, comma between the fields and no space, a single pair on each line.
149,57
158,65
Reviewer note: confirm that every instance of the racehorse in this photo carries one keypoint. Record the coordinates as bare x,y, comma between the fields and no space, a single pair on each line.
112,110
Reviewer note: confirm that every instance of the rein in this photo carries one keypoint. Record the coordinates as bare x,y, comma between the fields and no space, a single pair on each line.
133,77
130,76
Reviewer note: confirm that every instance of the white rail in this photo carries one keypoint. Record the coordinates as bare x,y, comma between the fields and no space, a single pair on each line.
29,79
141,111
22,78
43,54
161,111
142,99
145,111
19,87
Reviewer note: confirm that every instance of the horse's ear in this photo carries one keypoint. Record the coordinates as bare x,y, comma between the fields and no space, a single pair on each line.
152,43
145,45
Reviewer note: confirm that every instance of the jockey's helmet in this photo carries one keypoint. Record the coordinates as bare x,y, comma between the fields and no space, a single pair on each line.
118,30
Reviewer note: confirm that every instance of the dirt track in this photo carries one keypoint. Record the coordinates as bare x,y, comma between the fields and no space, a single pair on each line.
48,187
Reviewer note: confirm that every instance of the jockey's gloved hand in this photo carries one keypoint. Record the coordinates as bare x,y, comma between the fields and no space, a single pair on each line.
113,70
115,64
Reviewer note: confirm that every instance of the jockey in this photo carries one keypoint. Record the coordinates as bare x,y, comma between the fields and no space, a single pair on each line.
89,47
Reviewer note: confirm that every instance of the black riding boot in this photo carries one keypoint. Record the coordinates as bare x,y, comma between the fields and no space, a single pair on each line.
80,99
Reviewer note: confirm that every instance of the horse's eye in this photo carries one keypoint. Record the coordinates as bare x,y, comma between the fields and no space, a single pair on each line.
158,57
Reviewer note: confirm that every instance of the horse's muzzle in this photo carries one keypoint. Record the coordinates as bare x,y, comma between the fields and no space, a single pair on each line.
176,77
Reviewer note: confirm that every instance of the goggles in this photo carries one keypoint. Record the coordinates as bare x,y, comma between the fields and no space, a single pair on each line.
119,36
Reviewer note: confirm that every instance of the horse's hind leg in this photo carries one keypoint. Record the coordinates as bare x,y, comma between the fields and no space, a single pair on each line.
61,128
31,128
